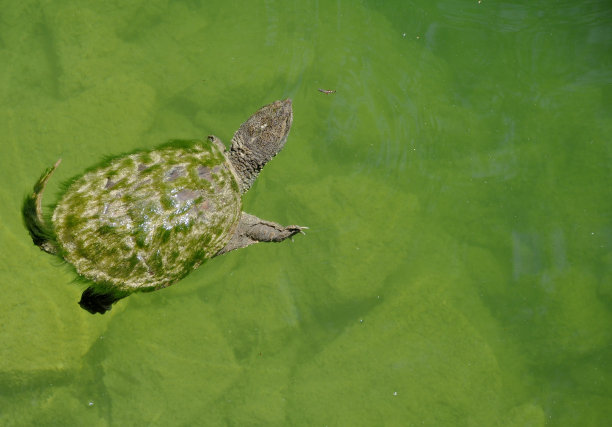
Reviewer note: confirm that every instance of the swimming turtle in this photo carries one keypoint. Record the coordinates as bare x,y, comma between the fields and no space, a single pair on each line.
144,220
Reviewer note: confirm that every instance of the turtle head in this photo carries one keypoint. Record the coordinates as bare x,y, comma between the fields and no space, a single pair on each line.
259,139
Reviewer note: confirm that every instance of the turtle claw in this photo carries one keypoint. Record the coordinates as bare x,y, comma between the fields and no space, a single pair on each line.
295,229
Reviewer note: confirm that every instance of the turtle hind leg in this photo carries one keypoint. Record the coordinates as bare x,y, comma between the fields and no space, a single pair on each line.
41,233
96,302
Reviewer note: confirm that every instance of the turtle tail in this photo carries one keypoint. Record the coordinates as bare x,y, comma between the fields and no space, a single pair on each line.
41,233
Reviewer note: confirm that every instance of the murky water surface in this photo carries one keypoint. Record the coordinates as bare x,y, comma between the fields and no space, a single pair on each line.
457,186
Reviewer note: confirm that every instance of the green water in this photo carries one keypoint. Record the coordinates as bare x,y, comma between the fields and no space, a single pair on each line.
457,186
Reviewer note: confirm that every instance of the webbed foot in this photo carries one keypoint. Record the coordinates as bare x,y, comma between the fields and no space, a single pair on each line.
95,302
252,230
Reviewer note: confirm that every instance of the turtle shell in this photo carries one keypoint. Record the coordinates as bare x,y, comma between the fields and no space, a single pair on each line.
146,219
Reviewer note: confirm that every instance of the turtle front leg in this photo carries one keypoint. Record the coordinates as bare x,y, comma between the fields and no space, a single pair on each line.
252,230
41,233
